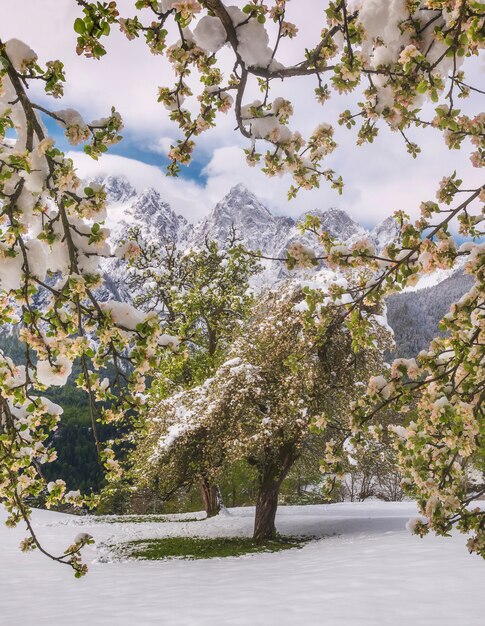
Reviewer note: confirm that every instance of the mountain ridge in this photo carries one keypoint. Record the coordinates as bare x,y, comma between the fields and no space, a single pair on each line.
240,210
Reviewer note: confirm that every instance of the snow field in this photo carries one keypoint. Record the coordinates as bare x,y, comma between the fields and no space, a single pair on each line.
364,569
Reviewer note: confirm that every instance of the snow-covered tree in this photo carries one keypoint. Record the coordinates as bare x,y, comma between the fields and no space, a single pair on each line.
204,296
292,366
372,472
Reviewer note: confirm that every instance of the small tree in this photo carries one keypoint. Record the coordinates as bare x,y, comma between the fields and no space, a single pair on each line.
372,472
167,457
284,372
204,296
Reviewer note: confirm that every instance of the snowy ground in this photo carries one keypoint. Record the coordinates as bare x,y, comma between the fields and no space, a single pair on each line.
366,570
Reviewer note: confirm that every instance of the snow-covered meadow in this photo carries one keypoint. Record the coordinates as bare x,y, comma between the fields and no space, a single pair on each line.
364,569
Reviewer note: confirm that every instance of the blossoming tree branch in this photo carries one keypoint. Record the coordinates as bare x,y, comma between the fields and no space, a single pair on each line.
51,241
403,58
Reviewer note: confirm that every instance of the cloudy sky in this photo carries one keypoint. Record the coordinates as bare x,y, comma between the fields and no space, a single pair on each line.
379,178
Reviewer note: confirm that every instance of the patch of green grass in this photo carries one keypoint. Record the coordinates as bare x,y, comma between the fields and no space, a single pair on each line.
204,548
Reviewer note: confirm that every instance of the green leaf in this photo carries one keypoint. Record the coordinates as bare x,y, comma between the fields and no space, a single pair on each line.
79,26
422,86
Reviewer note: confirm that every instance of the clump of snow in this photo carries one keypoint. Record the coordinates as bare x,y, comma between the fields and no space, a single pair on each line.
20,54
58,258
381,19
232,362
301,307
400,431
254,44
209,34
169,341
82,538
165,5
123,314
414,523
37,258
266,127
172,435
381,320
77,130
70,117
11,272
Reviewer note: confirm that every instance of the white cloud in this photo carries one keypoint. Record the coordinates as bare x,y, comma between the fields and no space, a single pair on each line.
379,178
161,145
186,197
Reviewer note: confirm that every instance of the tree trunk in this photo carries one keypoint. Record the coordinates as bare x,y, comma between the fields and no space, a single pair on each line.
270,480
210,497
266,505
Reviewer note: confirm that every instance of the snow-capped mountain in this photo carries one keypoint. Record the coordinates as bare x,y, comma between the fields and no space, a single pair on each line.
413,314
384,233
147,211
241,211
259,229
156,219
339,224
118,189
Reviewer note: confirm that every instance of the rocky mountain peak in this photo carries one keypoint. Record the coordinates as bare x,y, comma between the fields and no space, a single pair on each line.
118,188
242,211
385,232
239,201
152,215
339,224
149,203
156,218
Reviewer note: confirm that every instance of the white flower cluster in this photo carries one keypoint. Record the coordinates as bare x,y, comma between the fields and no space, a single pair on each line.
378,385
303,255
76,128
407,367
55,373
